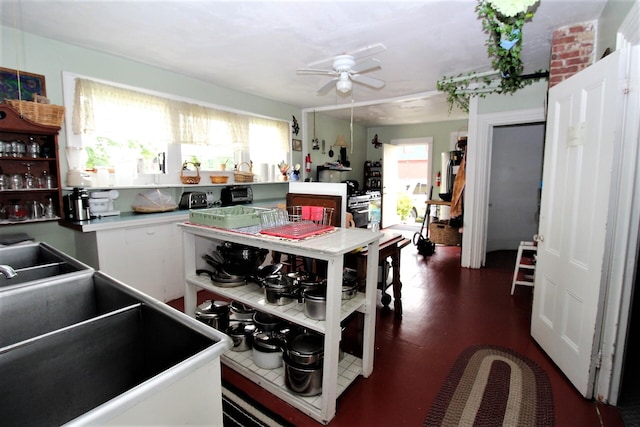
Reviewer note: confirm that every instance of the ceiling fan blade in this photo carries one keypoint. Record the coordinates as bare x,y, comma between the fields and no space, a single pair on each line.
372,49
316,71
368,81
327,87
322,63
366,66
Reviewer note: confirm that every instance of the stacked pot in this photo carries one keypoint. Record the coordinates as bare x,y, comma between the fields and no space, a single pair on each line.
241,327
268,340
234,319
275,343
303,359
308,289
214,314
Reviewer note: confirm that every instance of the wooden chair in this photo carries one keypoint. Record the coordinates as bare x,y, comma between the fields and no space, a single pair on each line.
350,223
296,263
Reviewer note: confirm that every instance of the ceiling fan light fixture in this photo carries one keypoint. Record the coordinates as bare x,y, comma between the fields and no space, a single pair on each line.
343,86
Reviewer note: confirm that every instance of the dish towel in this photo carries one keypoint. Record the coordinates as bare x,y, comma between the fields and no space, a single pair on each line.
458,189
312,213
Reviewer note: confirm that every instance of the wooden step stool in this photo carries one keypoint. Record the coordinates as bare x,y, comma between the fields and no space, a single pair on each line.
524,273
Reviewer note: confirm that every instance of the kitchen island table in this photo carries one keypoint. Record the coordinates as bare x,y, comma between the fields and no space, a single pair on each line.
390,246
330,247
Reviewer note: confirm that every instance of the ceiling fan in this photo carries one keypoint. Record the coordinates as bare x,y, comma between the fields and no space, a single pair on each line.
346,69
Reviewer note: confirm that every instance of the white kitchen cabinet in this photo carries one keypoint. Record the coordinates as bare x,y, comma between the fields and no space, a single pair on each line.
146,257
331,247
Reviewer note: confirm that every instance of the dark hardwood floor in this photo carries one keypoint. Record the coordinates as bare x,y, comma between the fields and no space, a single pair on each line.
446,309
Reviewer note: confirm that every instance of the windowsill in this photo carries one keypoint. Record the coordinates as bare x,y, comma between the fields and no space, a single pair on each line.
175,185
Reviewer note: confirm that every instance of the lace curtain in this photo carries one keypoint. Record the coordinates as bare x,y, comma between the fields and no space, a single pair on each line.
109,110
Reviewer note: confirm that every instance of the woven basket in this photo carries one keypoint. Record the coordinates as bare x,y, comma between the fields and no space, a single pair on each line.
440,232
190,179
219,179
239,176
44,114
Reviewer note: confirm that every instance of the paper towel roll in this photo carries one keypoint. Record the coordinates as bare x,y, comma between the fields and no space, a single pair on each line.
264,172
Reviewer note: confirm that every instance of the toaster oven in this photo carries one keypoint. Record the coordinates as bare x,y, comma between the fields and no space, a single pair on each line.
235,195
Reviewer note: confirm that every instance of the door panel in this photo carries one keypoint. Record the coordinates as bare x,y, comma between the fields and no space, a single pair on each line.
580,143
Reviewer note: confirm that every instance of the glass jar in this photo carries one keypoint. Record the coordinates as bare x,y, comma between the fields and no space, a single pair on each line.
33,148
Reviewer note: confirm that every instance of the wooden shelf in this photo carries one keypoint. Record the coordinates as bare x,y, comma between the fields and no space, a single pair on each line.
15,128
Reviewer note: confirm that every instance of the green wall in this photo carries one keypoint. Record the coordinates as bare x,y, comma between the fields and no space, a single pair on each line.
533,96
328,128
440,131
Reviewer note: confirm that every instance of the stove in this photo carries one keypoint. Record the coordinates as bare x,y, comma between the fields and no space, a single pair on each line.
374,195
358,206
358,199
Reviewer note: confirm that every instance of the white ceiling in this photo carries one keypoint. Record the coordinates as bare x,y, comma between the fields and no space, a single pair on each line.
256,46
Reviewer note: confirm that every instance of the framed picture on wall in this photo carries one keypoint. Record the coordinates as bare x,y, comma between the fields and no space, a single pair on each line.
296,144
30,85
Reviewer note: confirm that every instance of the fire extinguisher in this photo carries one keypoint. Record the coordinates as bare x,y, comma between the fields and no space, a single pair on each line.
307,163
438,179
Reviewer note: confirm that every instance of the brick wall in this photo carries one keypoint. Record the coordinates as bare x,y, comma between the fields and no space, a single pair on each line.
572,50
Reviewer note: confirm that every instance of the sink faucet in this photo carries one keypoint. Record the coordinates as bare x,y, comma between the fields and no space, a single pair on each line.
8,271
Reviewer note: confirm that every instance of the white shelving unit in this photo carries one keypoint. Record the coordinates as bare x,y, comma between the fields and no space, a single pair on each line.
331,247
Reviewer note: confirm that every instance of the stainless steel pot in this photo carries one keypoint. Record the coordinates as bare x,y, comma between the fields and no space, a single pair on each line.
266,322
303,380
242,335
278,291
308,282
349,290
305,348
303,360
315,303
214,313
241,259
241,312
267,350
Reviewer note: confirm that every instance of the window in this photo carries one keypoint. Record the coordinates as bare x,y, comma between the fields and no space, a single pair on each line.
130,129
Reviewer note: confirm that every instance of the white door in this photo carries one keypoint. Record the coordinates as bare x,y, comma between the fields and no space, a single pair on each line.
390,185
578,159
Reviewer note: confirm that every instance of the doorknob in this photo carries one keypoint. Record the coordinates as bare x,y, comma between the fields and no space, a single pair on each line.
538,238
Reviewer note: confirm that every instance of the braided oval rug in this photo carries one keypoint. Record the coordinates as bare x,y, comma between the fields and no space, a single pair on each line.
493,386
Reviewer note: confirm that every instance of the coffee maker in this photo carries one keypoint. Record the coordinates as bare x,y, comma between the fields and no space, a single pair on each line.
76,205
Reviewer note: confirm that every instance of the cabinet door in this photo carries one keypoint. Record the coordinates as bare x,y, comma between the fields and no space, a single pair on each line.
173,263
145,259
148,258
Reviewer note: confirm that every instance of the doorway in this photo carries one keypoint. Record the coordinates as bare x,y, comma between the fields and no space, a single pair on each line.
629,401
514,185
407,171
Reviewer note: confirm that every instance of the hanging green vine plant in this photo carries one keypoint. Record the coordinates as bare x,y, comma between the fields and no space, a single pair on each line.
503,20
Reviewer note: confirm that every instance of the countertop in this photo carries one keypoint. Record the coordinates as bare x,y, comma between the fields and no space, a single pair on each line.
133,219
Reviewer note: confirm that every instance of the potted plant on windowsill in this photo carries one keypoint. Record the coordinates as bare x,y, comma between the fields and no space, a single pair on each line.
503,20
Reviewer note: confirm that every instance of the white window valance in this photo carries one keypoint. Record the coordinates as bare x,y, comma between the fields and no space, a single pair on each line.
102,109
